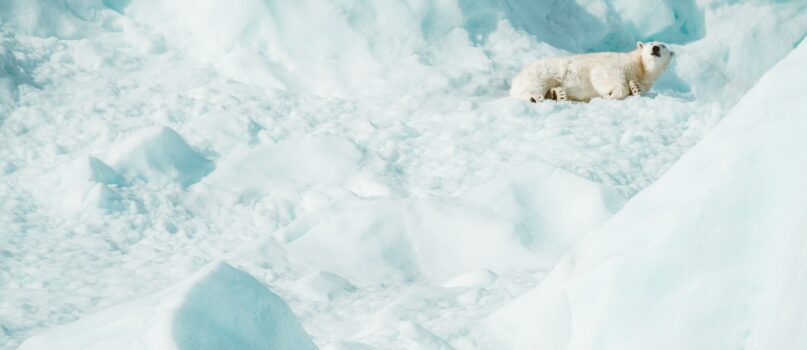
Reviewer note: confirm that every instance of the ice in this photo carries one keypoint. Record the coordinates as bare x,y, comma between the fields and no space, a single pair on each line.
219,307
714,247
362,159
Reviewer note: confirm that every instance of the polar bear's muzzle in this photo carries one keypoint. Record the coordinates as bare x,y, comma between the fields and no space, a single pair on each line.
656,51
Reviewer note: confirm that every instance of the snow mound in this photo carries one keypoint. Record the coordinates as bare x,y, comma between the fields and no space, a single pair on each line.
526,219
159,155
219,307
88,181
711,256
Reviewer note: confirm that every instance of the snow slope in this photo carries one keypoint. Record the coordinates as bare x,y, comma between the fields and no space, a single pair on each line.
218,307
711,256
360,158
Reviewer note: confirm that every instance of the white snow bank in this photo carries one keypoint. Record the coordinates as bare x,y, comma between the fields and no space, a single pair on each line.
526,219
219,307
711,256
87,182
159,155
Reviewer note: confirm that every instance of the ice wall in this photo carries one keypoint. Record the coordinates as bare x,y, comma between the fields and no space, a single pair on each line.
711,256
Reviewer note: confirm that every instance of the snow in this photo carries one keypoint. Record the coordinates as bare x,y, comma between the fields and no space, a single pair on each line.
362,161
714,247
159,155
86,182
479,278
316,163
322,286
525,220
218,307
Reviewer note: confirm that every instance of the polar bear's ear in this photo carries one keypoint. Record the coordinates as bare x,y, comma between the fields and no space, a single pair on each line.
639,45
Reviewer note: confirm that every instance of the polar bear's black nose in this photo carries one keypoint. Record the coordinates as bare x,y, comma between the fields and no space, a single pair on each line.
656,50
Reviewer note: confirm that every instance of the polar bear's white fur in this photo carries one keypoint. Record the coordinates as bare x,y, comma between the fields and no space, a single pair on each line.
611,75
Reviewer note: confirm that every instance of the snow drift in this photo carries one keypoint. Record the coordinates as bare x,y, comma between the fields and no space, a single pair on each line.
218,307
711,256
87,182
159,155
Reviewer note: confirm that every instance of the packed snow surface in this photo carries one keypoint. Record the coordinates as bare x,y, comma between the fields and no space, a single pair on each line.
361,160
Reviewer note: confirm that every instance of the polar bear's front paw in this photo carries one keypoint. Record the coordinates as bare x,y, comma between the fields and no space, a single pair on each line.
537,99
559,94
635,90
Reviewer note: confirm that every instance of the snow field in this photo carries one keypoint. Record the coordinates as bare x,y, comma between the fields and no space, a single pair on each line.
362,176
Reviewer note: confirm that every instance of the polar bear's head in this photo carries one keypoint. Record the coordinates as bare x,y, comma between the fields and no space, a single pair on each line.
655,56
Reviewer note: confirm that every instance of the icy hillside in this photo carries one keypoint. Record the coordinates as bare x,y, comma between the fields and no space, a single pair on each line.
360,159
711,256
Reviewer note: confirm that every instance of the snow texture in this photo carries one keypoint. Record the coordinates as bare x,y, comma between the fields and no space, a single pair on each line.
362,159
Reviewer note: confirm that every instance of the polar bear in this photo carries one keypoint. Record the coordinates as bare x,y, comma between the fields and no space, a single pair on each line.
611,75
